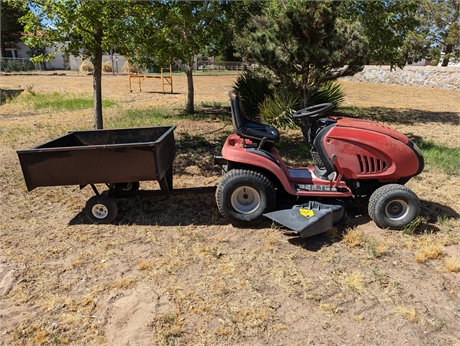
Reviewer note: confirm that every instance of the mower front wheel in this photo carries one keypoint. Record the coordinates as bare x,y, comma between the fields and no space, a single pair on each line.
393,206
244,195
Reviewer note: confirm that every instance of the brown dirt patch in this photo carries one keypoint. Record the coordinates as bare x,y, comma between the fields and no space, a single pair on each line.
174,272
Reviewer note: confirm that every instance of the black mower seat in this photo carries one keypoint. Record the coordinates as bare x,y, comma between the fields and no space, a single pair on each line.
246,128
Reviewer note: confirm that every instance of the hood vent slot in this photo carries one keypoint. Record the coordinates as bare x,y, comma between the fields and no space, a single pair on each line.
369,164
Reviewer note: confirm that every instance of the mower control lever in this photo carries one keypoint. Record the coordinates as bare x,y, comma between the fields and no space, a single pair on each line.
312,111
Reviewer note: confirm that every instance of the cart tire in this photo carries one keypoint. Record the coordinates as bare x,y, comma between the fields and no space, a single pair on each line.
128,187
101,209
393,206
244,195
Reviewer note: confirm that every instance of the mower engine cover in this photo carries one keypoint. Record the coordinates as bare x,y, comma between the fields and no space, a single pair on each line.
309,219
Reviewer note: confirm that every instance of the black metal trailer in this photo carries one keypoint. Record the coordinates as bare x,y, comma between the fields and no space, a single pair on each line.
119,158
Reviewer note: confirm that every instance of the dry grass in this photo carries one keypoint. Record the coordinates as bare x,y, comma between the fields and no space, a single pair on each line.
354,237
86,66
329,308
168,328
428,252
452,265
430,247
409,313
144,265
173,272
124,283
354,281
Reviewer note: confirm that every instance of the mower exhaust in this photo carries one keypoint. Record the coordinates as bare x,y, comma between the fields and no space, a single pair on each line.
309,219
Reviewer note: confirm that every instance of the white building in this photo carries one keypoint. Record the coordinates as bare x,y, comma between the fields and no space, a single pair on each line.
20,53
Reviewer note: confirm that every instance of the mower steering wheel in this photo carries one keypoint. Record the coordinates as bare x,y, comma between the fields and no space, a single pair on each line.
312,111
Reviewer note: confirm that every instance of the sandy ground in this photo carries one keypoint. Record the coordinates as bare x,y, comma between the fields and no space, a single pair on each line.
173,272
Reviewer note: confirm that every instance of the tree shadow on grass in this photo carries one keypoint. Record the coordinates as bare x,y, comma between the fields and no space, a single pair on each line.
160,92
399,116
208,111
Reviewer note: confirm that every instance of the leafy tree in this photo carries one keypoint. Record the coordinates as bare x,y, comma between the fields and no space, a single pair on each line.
38,55
179,31
306,43
11,28
386,25
175,31
237,16
417,46
84,27
443,18
437,28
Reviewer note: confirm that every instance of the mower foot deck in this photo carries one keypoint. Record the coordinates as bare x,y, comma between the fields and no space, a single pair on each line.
309,219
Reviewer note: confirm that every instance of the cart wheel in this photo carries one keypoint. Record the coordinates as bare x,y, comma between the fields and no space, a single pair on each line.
127,187
244,195
393,206
101,209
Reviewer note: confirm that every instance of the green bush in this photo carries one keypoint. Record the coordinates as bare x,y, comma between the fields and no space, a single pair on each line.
16,65
330,92
253,88
277,109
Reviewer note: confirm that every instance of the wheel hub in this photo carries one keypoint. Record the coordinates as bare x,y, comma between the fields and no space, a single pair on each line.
100,211
245,200
397,209
128,187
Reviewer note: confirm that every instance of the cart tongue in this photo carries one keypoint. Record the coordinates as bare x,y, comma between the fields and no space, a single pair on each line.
308,219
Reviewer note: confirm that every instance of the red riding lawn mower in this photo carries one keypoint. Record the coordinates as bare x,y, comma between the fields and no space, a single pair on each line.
354,159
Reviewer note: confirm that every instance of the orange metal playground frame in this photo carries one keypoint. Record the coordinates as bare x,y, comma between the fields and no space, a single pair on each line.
166,79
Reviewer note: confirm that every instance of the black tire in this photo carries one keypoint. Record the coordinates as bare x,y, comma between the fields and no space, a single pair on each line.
127,187
393,206
101,209
244,195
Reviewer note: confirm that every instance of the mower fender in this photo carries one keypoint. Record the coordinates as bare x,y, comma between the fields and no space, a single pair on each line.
261,159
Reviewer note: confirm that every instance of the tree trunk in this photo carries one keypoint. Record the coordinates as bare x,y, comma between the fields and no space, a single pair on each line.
303,104
445,61
97,82
190,107
304,99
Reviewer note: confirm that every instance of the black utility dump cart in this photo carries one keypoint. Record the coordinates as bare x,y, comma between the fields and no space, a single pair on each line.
119,158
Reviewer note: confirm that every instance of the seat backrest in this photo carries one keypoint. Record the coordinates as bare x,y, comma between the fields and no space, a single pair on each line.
238,118
246,128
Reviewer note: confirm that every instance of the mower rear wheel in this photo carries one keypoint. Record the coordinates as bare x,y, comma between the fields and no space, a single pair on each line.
393,206
244,195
